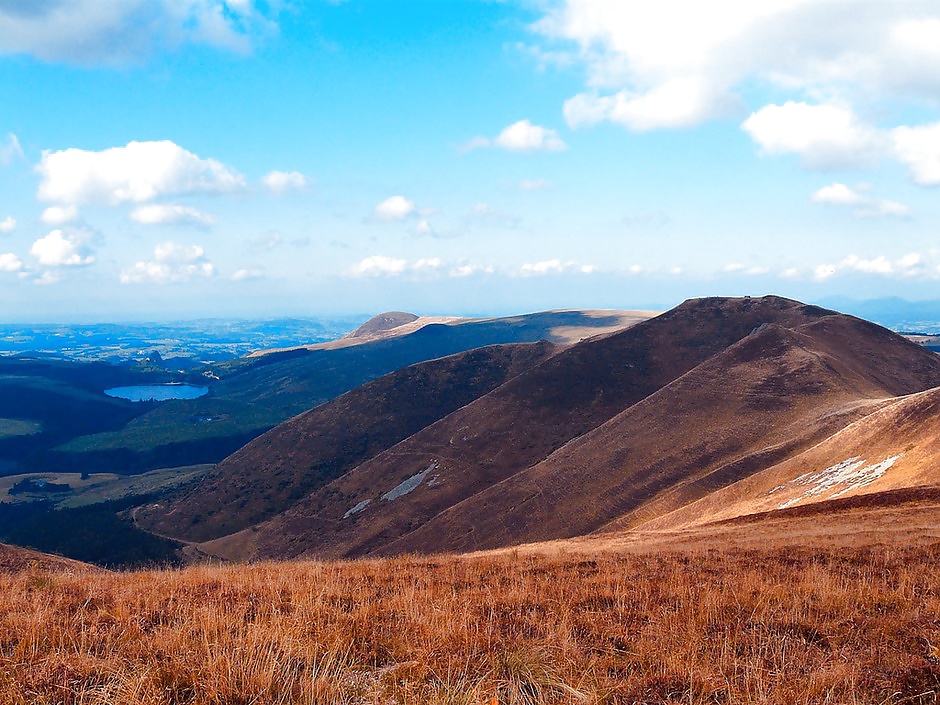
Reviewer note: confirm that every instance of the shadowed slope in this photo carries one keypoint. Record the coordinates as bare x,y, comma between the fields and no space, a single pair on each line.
301,455
508,430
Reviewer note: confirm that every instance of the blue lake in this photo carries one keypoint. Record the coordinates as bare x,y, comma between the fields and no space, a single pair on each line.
157,392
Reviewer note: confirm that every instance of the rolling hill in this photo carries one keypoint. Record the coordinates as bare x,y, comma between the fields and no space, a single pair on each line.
305,453
612,432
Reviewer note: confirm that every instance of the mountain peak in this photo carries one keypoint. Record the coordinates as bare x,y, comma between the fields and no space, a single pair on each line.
383,322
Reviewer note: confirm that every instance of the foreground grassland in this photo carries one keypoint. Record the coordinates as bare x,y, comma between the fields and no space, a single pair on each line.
795,626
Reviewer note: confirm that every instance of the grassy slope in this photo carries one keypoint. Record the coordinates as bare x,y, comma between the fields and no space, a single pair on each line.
303,454
793,626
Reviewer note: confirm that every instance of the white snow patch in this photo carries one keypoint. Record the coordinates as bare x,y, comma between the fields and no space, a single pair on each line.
411,484
837,479
358,508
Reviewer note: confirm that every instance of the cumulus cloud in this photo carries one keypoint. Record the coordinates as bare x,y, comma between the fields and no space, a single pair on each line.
284,181
10,262
47,277
165,213
555,266
919,149
676,63
428,264
62,249
59,215
823,136
910,265
171,262
394,208
522,137
116,31
380,265
248,274
137,173
8,224
466,269
10,149
838,194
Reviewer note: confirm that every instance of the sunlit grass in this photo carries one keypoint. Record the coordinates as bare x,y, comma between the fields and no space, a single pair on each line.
848,626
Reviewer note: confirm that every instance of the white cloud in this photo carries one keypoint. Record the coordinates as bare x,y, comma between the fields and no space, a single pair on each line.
429,264
165,213
248,274
680,102
883,209
523,137
424,227
919,149
10,148
676,63
171,262
46,278
910,265
380,265
838,194
284,181
394,208
551,266
10,262
824,136
790,273
116,31
876,265
8,224
137,173
466,270
61,249
59,215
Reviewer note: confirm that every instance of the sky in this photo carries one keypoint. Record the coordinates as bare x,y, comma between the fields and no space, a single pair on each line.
172,159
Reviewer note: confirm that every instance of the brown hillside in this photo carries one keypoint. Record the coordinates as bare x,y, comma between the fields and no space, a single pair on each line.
301,455
382,322
896,447
509,430
14,559
769,396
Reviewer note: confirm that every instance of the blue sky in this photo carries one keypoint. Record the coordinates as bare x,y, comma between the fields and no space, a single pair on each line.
165,159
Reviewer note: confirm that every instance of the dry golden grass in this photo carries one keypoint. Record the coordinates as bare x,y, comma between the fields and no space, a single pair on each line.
795,626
